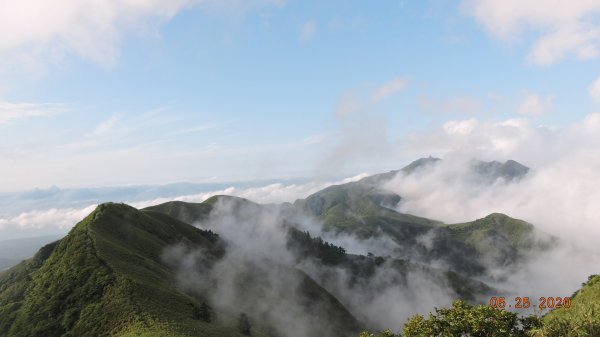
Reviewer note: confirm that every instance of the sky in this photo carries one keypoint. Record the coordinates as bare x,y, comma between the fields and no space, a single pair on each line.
105,93
117,93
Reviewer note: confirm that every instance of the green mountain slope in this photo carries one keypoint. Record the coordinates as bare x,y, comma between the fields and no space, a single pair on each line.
111,275
509,170
361,268
365,209
581,319
107,277
500,238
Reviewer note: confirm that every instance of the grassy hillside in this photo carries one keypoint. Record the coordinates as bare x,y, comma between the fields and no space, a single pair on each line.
184,211
499,238
581,319
107,277
467,248
362,268
363,210
366,210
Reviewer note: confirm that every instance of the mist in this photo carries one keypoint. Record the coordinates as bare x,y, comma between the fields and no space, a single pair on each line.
257,275
259,257
559,195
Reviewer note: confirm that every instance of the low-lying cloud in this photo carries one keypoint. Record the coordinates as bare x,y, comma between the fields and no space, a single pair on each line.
257,254
558,196
28,211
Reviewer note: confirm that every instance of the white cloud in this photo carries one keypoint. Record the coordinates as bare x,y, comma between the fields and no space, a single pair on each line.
32,30
362,134
580,41
561,28
390,88
272,193
62,218
559,196
91,29
348,105
105,126
67,217
535,105
460,127
595,90
308,30
14,111
481,139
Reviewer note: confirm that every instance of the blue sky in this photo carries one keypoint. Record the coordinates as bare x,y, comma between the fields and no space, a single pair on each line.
164,91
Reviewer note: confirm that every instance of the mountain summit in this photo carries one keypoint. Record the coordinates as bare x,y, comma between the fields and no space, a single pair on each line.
259,270
109,276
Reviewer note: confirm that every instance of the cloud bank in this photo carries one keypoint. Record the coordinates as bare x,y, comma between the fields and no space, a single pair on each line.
559,196
63,218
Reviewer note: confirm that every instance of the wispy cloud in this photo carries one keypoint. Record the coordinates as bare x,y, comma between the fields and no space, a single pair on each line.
10,112
105,127
535,105
390,88
595,90
308,31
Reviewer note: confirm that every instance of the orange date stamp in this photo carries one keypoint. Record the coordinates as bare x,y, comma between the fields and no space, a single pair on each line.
526,303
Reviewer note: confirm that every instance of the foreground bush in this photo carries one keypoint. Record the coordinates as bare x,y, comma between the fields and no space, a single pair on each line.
463,319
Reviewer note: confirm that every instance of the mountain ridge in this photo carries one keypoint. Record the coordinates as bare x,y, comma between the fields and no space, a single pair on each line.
116,261
98,268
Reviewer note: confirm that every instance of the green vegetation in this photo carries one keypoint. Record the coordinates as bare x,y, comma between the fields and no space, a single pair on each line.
203,313
360,267
364,210
463,319
244,324
109,275
517,234
305,245
581,319
361,208
184,211
500,238
106,277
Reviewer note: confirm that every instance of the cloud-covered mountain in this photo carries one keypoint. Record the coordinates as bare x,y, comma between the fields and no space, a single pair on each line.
346,257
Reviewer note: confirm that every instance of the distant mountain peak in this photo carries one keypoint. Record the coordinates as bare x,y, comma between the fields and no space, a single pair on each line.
420,163
509,170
